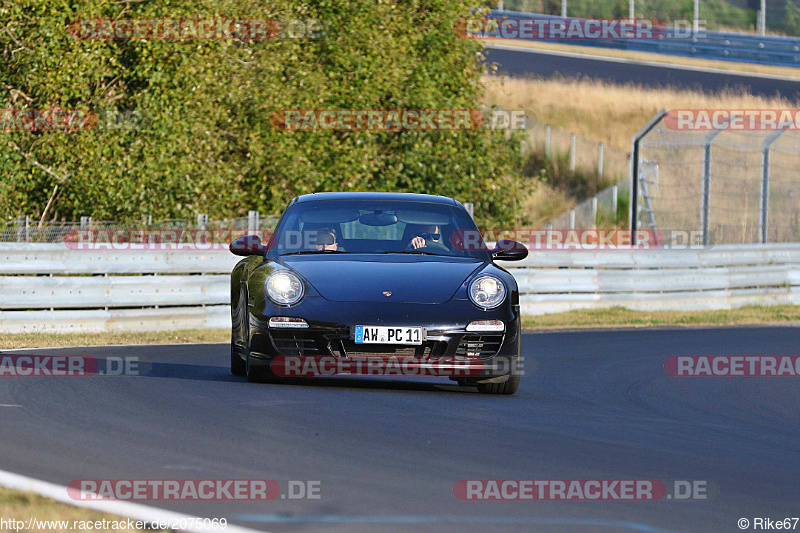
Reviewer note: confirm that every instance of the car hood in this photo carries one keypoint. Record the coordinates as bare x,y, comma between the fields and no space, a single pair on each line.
409,279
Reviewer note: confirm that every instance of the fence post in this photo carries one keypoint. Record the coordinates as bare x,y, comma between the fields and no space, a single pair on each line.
705,207
252,221
470,207
600,162
21,229
633,211
547,141
764,209
571,219
572,152
764,204
614,201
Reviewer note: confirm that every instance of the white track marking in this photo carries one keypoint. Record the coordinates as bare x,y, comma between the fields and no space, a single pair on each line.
136,511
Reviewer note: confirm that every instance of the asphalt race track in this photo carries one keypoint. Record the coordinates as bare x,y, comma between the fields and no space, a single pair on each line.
387,452
544,63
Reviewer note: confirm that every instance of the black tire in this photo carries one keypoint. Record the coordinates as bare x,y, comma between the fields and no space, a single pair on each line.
510,386
238,365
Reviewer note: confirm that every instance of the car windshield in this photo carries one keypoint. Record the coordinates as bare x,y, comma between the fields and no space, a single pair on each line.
377,227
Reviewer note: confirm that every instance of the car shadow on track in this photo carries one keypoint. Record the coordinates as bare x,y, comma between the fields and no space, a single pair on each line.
220,373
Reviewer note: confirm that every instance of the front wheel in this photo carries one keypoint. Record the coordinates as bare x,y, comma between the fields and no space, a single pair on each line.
238,366
509,386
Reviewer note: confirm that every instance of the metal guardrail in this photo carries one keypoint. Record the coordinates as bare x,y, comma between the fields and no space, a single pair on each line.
48,287
723,46
722,277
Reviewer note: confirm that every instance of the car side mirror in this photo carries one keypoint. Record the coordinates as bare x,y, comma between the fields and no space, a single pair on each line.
508,250
248,245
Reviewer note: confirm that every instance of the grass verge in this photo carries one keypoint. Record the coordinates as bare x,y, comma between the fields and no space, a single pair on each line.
622,317
186,336
22,506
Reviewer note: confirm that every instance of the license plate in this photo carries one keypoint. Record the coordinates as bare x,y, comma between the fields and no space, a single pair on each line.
388,335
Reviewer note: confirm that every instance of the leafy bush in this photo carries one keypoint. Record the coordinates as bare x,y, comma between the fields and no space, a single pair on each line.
210,145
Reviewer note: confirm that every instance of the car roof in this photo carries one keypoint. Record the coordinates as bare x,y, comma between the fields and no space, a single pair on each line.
398,196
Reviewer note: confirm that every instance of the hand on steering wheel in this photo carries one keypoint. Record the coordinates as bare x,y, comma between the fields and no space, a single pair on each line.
417,242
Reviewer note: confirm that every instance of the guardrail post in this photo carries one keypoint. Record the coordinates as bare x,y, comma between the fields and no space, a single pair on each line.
572,152
571,219
594,212
202,221
85,221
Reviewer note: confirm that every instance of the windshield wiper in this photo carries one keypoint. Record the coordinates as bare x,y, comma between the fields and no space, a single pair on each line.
309,252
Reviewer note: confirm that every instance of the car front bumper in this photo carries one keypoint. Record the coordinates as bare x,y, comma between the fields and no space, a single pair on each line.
484,356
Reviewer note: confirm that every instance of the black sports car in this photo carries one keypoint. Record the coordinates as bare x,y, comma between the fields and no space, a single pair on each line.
377,277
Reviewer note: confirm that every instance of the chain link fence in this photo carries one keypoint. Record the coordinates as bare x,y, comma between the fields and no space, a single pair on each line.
601,165
606,209
728,187
26,230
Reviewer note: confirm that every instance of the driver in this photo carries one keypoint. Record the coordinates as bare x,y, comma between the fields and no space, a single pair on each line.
427,235
326,239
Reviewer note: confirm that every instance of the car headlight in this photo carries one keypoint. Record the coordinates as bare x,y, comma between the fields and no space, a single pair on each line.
487,292
284,288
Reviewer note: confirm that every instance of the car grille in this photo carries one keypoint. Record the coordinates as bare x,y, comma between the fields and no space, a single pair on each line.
479,345
296,343
313,343
352,349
